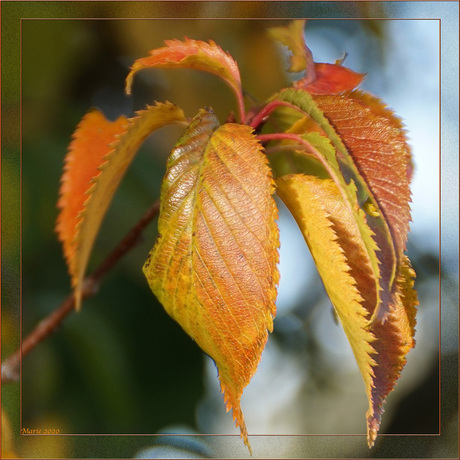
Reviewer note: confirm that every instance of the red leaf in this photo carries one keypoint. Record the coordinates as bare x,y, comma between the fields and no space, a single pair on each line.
375,138
330,79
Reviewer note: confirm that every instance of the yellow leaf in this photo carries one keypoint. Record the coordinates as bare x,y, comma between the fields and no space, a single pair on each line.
78,226
214,265
336,244
316,204
292,36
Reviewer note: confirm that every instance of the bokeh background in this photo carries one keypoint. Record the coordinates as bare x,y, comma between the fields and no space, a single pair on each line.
121,372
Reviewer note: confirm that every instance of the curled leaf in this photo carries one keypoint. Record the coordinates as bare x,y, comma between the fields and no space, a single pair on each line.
95,164
190,54
213,266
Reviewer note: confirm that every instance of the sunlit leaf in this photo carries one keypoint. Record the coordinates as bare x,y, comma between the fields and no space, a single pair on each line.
190,54
95,164
214,265
342,161
316,204
380,350
91,143
376,140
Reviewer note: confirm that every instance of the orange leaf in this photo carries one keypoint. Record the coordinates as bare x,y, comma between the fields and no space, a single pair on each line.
331,79
95,164
190,54
371,149
375,138
213,266
91,143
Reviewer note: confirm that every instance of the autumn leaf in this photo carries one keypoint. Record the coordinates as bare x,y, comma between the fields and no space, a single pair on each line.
214,265
292,36
395,340
97,159
191,54
320,78
330,79
344,166
91,143
313,203
337,248
372,148
376,140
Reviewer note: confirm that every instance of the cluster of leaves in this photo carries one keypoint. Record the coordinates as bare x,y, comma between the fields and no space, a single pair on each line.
338,159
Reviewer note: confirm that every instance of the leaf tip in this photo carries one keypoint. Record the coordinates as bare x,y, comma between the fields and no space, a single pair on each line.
233,403
129,82
372,429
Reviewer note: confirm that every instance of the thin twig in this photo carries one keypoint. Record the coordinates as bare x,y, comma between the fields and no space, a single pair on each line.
10,367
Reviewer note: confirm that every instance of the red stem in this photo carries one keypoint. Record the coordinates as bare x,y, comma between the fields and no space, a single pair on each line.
266,110
240,99
308,147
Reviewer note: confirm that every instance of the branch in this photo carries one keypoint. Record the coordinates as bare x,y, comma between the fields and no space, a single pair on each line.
10,367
